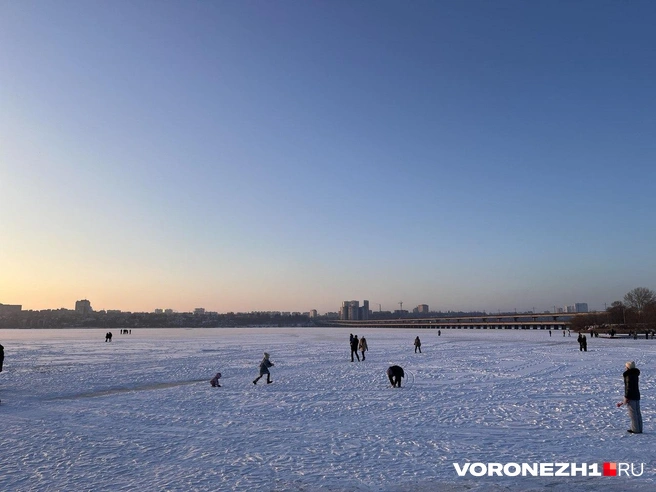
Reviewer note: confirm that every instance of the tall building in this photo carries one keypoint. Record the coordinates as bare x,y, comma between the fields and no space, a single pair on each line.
352,310
83,307
581,307
313,313
421,309
364,310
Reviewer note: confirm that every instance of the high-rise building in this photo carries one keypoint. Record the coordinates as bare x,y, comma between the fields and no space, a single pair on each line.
83,307
313,313
364,310
421,309
351,310
581,307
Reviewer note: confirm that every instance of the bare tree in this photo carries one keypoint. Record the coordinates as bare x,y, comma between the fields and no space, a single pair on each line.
640,297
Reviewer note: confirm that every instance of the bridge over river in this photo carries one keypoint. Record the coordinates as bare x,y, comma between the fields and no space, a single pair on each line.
487,322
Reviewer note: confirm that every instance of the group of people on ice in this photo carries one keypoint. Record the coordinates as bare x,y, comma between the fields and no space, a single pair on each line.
396,373
358,345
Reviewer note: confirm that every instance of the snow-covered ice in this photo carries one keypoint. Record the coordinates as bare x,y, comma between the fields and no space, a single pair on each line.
138,413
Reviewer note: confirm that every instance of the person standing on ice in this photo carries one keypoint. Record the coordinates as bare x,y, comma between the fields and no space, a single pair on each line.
632,397
417,345
395,373
2,356
362,346
264,369
354,347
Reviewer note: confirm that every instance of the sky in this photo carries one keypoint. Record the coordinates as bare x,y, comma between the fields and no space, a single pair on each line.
258,156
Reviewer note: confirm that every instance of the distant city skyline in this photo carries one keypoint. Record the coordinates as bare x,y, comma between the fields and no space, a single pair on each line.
286,156
348,310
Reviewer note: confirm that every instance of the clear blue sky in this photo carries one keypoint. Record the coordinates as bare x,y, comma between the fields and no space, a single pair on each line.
255,155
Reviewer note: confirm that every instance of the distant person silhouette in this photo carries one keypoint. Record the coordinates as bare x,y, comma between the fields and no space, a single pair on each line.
2,356
417,345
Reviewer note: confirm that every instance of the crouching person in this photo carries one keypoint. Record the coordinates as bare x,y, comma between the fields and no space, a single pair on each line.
395,373
215,380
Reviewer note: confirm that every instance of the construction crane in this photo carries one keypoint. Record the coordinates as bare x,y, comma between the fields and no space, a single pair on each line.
400,305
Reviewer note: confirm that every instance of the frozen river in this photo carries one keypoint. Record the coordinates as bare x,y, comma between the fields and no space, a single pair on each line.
138,413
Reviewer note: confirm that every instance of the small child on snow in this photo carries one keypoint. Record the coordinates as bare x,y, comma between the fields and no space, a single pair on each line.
215,380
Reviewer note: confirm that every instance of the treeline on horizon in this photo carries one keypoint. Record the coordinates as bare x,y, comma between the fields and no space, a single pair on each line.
636,313
64,318
102,319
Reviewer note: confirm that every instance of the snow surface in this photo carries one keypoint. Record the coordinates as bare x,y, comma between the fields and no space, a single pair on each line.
138,413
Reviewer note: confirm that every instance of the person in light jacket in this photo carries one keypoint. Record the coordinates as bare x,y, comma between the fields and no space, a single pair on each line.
362,346
632,397
264,369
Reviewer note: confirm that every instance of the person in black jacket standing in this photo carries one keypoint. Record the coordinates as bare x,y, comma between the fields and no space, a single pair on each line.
354,347
632,397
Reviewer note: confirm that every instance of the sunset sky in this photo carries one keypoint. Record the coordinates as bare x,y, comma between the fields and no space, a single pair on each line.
290,155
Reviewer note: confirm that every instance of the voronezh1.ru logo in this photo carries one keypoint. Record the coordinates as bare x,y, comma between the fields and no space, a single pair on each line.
609,469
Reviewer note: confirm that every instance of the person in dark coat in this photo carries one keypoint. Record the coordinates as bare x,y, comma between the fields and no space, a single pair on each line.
264,369
354,347
580,340
417,345
215,380
395,373
632,397
584,343
2,356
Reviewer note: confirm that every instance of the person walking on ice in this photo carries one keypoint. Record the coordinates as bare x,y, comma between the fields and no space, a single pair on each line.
354,347
395,373
417,345
264,369
362,346
632,397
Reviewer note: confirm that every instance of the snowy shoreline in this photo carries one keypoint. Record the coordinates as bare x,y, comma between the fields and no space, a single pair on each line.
138,413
